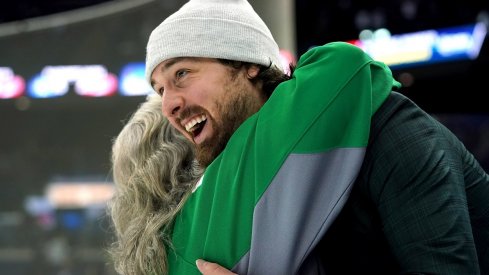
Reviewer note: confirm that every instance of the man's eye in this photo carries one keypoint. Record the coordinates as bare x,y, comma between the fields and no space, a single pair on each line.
160,91
180,73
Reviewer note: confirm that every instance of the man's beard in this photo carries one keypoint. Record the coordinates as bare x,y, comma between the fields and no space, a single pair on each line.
234,108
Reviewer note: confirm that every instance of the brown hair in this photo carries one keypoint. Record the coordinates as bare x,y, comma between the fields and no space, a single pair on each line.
269,77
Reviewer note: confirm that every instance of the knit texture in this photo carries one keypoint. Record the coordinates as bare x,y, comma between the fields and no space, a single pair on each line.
227,29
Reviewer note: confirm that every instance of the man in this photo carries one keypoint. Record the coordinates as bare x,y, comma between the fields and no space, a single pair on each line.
284,164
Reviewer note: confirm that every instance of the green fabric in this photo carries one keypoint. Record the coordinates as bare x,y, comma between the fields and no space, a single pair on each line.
328,104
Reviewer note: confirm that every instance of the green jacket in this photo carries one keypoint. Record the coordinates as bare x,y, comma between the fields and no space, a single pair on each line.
269,197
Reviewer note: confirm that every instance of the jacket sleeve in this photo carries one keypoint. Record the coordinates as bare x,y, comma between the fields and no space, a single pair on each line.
418,187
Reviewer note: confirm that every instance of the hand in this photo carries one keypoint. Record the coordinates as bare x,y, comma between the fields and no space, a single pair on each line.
208,268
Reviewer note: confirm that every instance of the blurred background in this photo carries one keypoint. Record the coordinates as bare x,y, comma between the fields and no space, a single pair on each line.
71,74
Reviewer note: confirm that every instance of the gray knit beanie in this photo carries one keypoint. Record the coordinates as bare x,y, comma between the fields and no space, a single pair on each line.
227,29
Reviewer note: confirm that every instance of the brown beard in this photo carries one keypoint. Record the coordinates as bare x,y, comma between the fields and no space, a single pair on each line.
234,108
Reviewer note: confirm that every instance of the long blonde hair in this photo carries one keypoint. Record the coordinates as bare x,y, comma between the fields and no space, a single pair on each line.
154,170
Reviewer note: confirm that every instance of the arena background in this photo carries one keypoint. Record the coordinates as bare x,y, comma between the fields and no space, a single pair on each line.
55,148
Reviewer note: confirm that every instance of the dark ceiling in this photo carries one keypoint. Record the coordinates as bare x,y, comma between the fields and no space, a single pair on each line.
24,9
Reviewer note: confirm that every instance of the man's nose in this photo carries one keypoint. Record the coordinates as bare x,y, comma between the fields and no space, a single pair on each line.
172,103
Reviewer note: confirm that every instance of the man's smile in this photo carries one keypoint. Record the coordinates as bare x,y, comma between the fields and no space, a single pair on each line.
192,125
195,126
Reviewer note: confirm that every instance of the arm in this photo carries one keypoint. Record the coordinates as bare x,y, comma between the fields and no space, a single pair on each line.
419,190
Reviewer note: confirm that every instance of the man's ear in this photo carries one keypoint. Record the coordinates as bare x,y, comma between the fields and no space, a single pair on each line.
252,71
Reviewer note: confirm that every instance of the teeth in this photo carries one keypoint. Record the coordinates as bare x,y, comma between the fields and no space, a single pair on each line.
193,122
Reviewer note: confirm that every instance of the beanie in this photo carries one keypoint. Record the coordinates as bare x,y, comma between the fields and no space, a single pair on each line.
225,29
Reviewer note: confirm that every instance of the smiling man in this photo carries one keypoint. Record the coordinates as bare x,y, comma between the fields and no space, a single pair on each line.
207,100
355,176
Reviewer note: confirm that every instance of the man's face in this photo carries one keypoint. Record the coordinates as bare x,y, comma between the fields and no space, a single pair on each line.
206,101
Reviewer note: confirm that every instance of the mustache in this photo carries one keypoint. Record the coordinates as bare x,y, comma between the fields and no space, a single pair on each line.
189,111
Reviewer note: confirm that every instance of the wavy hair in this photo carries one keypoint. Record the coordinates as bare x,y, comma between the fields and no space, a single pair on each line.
269,77
154,170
